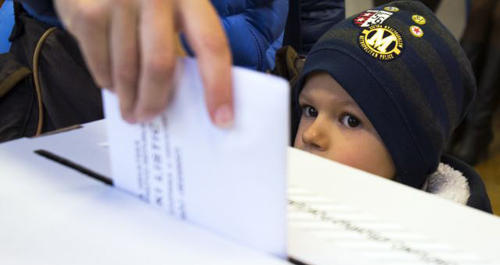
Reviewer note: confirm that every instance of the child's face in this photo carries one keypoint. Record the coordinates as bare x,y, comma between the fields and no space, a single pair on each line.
333,126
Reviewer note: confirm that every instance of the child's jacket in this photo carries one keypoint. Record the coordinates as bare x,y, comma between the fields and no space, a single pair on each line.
458,182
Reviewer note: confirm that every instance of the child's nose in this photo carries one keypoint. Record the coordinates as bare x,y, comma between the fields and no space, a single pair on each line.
315,137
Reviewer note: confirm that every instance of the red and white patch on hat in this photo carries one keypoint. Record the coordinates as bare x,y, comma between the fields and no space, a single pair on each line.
371,17
416,31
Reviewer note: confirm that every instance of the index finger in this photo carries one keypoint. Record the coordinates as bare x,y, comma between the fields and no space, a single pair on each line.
205,34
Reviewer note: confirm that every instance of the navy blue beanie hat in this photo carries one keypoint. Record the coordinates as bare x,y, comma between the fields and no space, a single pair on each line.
408,74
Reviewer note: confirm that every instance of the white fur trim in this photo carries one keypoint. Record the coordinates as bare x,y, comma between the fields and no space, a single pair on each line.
448,183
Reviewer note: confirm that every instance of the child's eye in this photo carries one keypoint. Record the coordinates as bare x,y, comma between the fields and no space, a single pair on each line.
350,121
310,111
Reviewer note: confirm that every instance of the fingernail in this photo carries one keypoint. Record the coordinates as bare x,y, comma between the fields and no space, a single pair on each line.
224,117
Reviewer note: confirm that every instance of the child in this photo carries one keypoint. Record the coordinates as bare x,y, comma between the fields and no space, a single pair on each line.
382,91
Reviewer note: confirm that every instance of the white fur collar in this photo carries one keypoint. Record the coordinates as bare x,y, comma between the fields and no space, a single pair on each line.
448,183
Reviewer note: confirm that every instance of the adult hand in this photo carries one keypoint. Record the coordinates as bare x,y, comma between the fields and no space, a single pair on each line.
129,48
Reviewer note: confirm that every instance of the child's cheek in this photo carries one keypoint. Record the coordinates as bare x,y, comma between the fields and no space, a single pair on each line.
350,154
364,154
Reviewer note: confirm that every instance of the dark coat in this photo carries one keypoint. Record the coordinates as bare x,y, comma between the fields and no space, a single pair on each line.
309,20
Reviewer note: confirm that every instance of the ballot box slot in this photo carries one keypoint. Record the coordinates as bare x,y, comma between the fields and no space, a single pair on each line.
65,162
296,261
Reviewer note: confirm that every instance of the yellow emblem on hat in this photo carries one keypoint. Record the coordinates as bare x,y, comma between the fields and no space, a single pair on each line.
419,19
416,31
391,8
381,42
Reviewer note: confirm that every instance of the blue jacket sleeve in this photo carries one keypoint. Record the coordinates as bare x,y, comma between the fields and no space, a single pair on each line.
252,31
251,26
6,23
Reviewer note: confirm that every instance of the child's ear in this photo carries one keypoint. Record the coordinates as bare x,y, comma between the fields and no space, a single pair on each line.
289,64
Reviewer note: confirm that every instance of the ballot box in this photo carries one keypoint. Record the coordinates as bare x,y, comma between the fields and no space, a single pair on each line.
56,210
176,189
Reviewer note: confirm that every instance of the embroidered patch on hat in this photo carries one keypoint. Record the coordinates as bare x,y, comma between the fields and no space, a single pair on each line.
371,17
416,31
391,8
381,42
419,19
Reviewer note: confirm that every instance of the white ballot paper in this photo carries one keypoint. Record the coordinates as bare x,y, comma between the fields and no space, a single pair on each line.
232,182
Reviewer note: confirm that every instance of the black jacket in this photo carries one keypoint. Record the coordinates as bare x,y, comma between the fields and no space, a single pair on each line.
308,20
